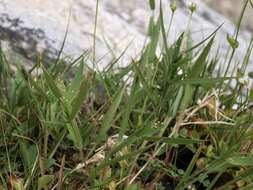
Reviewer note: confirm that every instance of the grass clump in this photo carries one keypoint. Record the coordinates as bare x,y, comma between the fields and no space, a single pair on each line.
165,121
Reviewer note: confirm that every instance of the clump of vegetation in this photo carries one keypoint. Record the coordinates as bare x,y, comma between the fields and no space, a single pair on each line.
167,121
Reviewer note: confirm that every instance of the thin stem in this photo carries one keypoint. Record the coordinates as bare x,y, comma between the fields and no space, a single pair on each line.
170,24
94,35
236,34
5,144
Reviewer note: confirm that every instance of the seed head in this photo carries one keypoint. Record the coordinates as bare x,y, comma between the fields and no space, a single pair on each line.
173,6
193,7
152,4
232,42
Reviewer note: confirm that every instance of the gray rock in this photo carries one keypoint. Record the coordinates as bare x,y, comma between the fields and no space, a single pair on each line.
29,27
232,9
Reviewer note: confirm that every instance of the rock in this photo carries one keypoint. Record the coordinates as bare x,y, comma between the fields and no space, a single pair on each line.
38,26
232,9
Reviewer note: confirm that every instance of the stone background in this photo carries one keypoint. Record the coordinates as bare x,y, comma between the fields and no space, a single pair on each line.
231,9
29,27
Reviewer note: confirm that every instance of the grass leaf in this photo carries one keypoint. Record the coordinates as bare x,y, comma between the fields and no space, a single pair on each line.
51,83
167,140
240,161
109,116
80,97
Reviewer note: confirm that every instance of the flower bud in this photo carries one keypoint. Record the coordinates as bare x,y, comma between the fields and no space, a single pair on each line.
173,6
232,42
152,4
193,7
250,74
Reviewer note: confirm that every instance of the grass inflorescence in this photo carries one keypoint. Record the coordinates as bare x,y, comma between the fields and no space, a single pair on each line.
166,121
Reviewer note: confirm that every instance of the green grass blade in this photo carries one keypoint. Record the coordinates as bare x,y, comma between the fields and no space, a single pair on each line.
164,35
201,61
203,41
137,136
37,87
144,82
75,134
174,141
76,83
191,165
51,83
64,41
202,81
80,97
109,116
194,73
240,161
129,106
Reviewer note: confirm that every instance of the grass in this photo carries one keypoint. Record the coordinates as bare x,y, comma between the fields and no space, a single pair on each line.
166,121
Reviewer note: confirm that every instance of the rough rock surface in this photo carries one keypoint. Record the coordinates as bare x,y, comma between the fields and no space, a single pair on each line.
232,9
32,26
